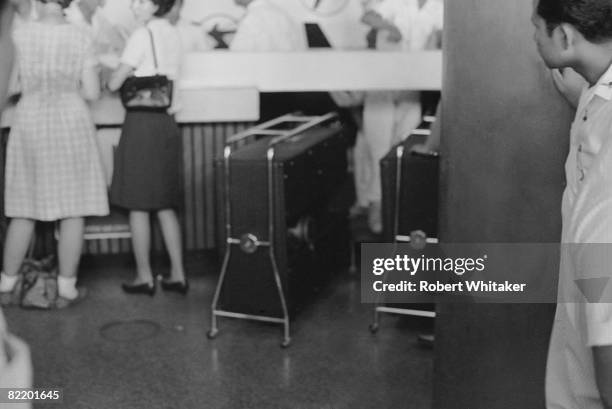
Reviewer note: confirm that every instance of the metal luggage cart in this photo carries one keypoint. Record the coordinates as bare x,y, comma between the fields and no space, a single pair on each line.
249,243
380,307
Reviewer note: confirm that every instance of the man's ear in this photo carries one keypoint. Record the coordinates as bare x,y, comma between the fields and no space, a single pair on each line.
567,36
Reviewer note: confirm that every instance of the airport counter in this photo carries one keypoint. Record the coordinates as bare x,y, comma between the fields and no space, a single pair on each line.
219,96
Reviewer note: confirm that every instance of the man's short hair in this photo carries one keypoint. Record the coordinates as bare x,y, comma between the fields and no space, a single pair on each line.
592,18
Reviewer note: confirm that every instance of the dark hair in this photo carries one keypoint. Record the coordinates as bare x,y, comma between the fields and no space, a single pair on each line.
63,3
593,18
4,5
164,6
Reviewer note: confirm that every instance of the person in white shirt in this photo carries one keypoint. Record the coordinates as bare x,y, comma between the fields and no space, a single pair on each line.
267,27
192,38
578,35
388,117
407,25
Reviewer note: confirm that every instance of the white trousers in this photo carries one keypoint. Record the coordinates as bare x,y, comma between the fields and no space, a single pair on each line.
388,117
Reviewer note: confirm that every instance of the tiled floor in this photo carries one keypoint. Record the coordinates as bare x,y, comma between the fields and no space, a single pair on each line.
164,360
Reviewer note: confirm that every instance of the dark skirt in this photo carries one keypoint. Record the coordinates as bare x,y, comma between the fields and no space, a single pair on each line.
146,164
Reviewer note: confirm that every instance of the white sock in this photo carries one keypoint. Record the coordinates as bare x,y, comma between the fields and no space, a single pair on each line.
66,287
7,282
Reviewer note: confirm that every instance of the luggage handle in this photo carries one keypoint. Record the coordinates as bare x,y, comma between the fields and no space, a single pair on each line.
309,122
305,123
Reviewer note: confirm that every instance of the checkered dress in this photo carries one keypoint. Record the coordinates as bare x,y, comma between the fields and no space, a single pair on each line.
53,167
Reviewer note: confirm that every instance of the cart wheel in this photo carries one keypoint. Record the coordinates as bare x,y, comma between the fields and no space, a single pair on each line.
212,334
373,328
286,343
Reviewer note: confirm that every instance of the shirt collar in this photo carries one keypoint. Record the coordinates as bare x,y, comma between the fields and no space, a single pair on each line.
603,88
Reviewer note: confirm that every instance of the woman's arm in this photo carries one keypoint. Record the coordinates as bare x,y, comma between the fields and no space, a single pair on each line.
375,20
6,49
132,57
119,76
90,72
90,82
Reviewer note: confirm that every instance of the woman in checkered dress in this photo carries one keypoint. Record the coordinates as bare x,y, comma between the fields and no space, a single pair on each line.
53,168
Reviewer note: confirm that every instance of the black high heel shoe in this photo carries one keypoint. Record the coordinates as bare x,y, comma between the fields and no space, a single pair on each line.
144,288
180,287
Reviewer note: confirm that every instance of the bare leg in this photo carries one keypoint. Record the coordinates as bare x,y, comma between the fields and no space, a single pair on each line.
172,237
140,226
18,237
70,246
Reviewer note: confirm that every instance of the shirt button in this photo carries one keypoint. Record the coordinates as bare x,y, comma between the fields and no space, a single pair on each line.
581,178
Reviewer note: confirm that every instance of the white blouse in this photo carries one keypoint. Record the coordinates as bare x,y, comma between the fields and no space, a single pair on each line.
138,52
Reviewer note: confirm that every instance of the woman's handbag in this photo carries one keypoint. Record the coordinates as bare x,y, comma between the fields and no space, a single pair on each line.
153,93
38,283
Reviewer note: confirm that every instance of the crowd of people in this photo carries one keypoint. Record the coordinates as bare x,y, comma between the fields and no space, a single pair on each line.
68,52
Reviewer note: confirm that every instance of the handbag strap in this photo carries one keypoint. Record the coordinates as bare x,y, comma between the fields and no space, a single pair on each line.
153,49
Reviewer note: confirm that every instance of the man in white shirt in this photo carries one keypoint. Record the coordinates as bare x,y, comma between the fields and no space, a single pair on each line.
407,25
388,117
267,27
578,35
